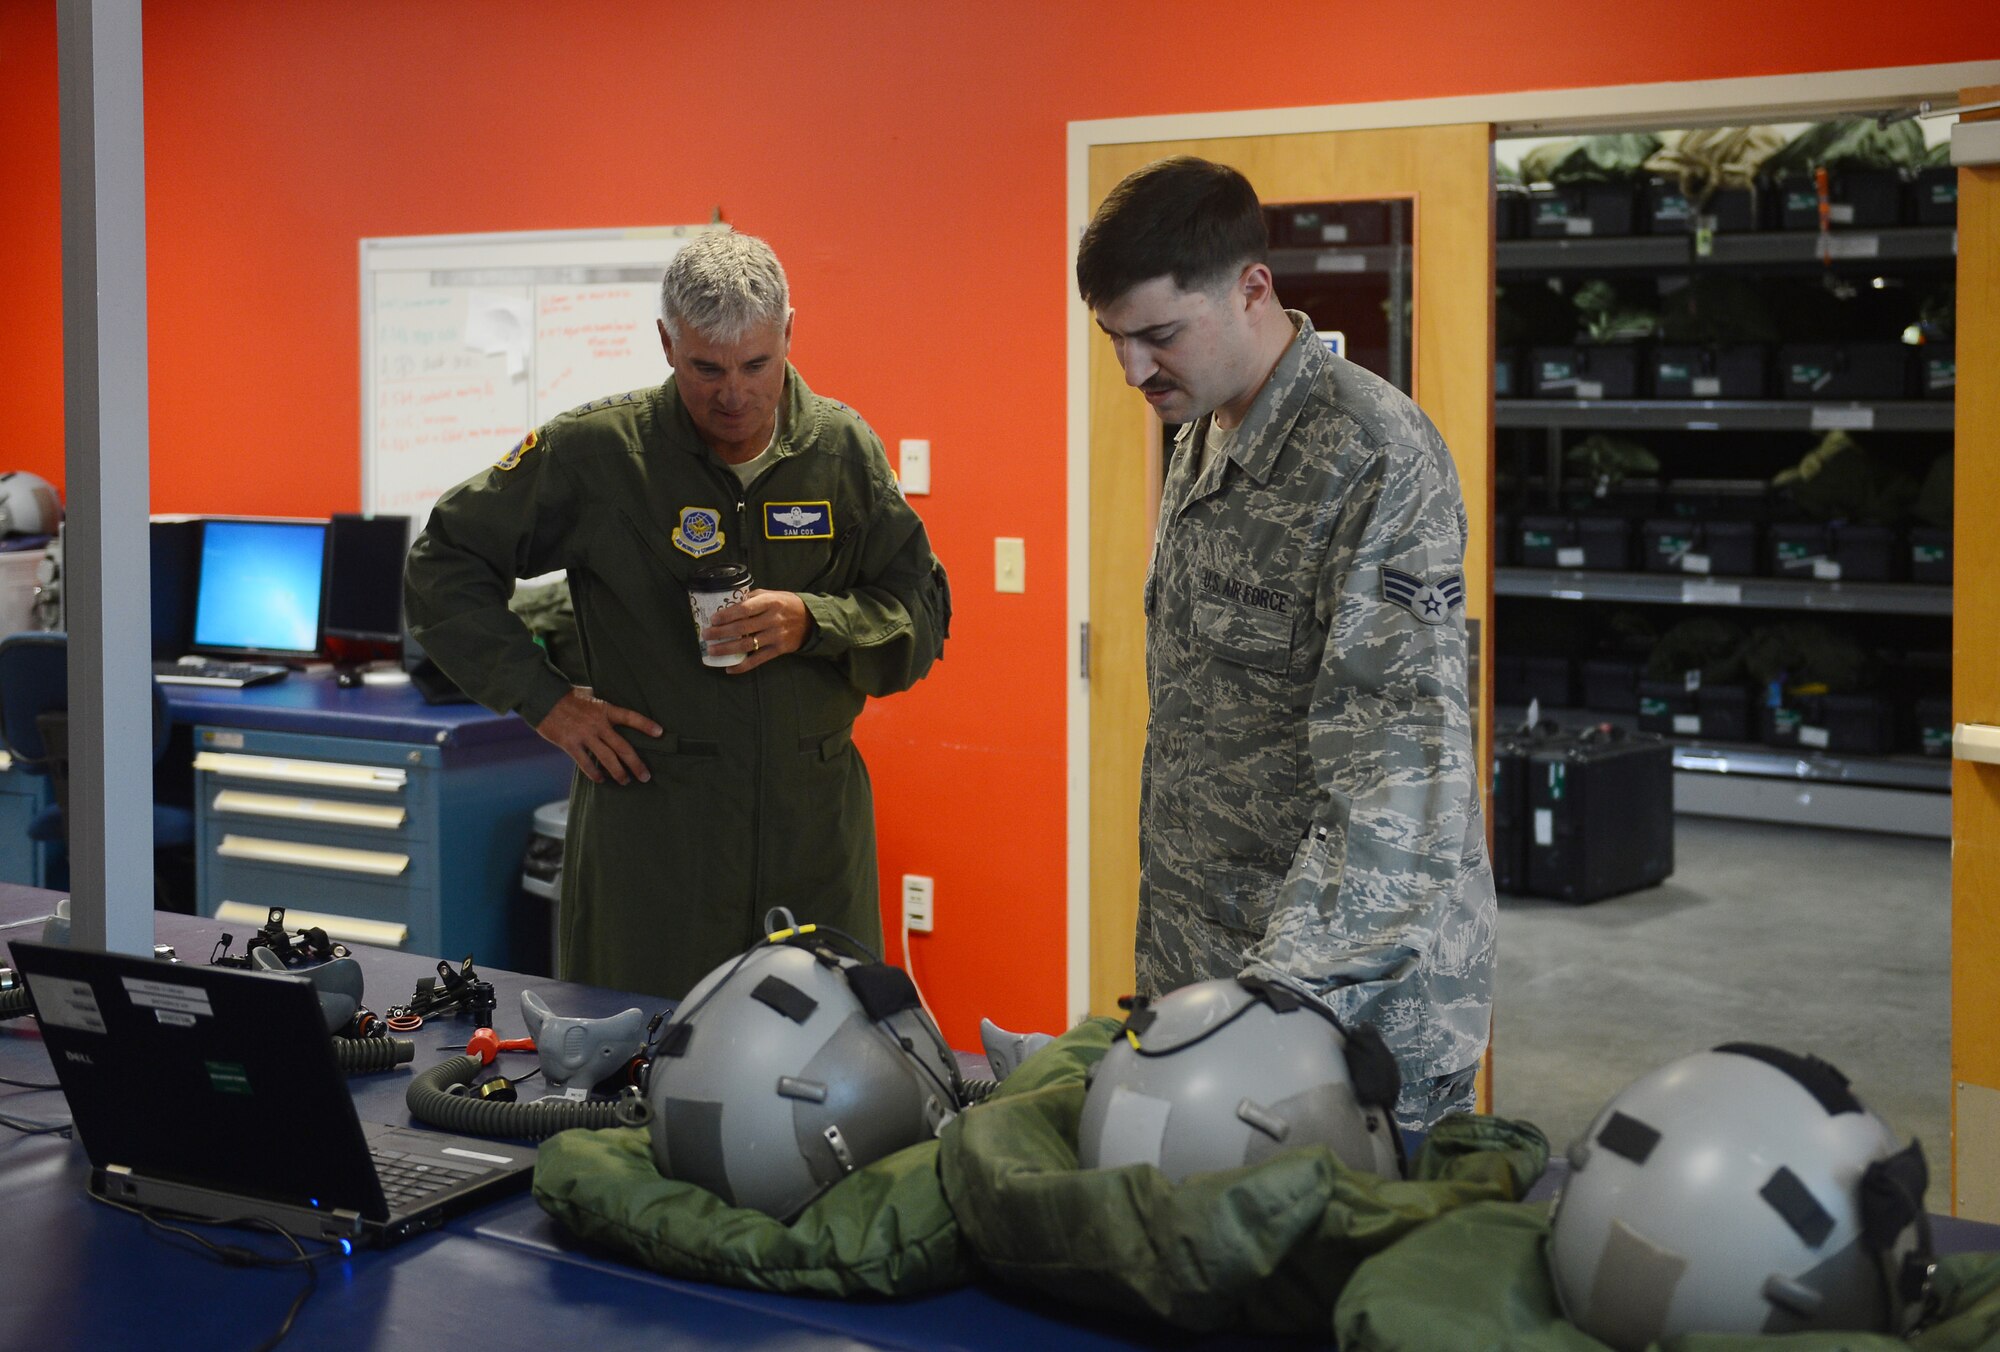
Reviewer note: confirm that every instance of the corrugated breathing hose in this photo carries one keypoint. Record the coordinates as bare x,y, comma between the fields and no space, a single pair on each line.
365,1055
430,1102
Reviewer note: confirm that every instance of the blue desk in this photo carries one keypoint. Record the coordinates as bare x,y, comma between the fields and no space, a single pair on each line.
381,817
77,1275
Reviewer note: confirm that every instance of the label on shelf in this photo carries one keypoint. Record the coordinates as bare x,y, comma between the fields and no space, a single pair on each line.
1341,262
1706,387
1812,736
1853,246
1694,563
1580,225
1545,826
1691,679
1711,594
1590,389
1687,725
1570,556
1826,570
1828,418
1840,213
1333,234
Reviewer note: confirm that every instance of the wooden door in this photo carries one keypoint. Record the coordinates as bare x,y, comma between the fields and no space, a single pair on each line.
1446,172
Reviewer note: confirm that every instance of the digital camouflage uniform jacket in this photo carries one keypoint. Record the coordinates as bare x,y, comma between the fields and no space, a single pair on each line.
1309,802
758,797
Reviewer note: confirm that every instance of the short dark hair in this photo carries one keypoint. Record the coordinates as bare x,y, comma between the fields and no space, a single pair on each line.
1185,218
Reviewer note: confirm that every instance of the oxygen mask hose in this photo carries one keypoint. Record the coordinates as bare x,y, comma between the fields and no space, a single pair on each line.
430,1101
366,1055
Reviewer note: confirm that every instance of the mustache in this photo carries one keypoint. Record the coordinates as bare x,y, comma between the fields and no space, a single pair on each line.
1157,386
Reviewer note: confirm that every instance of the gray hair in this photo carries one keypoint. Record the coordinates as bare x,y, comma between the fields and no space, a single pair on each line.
722,285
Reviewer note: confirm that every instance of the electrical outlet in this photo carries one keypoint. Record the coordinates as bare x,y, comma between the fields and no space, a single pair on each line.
919,896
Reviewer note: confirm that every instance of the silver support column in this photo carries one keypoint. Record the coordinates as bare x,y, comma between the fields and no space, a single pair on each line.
106,563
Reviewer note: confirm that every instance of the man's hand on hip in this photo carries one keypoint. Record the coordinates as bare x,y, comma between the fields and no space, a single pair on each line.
764,624
587,728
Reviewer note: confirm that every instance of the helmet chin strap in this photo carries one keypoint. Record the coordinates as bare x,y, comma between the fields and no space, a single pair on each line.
1898,1232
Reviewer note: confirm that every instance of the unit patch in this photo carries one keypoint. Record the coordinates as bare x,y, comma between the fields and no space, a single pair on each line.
1245,593
1430,602
513,457
700,531
798,521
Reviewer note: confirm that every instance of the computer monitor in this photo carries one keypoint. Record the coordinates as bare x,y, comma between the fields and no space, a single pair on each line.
260,587
364,579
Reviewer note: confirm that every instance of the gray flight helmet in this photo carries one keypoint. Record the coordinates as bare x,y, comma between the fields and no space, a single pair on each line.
791,1066
1225,1073
1742,1190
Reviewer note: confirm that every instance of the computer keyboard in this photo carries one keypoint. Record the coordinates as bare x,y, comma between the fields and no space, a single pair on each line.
206,671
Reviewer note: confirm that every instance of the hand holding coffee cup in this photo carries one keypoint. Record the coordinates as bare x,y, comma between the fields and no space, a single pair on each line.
762,626
712,589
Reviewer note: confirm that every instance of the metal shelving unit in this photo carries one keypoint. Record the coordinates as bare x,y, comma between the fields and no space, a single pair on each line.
1769,593
1758,249
1724,415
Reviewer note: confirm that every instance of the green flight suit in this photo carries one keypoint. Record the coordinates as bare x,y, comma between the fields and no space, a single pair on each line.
758,796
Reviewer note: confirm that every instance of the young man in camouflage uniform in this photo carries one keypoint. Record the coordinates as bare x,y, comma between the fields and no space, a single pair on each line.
704,795
1309,803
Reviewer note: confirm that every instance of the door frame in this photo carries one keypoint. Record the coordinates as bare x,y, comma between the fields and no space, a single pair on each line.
1776,98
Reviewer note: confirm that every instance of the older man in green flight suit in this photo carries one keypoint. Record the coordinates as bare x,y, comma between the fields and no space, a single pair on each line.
1310,800
705,795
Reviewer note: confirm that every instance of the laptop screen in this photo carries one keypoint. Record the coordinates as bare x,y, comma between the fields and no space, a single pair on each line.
260,588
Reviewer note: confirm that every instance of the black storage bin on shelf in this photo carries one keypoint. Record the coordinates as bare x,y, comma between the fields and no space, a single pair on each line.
1861,725
1550,680
1332,225
1585,371
1934,196
1839,552
1599,542
1735,371
1844,371
1606,541
1668,211
1609,685
1507,373
1580,211
1716,713
1699,548
1716,499
1857,199
1937,370
1600,810
1510,212
1930,554
1933,727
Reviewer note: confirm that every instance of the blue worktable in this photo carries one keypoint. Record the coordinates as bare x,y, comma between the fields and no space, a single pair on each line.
313,703
501,1279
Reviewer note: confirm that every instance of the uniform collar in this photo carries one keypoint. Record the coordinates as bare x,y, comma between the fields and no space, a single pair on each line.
1265,429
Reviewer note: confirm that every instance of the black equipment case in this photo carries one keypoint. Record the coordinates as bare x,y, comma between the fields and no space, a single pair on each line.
1599,813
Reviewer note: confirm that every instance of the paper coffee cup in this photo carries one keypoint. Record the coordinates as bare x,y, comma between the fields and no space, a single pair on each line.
712,588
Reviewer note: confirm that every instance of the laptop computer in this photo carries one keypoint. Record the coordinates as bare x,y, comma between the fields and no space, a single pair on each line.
214,1093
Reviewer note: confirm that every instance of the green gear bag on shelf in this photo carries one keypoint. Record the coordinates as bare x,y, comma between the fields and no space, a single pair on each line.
1933,504
1605,460
1265,1248
1716,309
1590,159
1607,314
1860,144
884,1230
1841,480
1805,654
1478,1281
1714,647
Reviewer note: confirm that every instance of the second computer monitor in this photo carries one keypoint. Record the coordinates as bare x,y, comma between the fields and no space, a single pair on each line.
259,588
364,581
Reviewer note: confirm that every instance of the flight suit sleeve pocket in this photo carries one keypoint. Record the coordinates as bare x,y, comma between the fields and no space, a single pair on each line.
1248,635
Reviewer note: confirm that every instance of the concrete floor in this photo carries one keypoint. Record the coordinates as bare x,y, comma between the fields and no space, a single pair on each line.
1828,942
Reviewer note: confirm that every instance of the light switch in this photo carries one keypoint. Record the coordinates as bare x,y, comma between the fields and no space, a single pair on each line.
914,466
1010,564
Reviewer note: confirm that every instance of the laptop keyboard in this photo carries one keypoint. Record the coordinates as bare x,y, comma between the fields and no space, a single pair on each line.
407,1179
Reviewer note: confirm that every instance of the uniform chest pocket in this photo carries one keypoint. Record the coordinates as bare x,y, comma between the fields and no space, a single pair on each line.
1247,635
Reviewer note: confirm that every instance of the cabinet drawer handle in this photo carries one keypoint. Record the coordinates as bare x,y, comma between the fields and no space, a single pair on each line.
330,774
346,928
294,852
329,810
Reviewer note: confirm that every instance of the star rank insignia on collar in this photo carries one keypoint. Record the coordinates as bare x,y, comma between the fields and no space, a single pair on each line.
1430,602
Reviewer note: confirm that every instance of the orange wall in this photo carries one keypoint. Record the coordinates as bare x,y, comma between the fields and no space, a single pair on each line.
907,161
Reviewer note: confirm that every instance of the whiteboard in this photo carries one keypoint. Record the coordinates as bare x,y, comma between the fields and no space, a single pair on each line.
469,341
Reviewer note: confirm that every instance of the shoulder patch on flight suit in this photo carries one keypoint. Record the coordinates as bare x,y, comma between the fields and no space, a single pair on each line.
521,448
798,521
1430,602
699,532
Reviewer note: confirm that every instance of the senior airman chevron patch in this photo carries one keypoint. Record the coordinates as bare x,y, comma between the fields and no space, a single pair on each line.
1430,602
